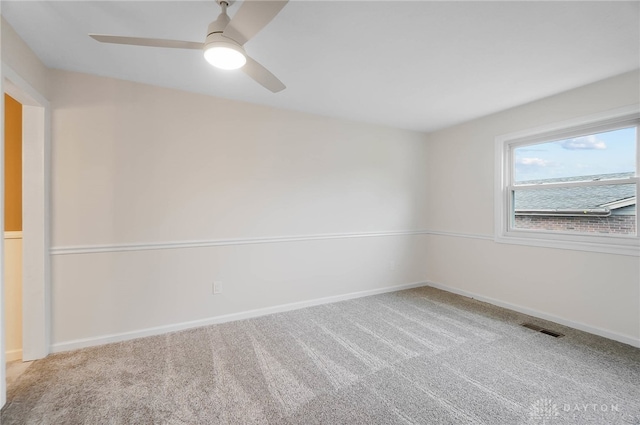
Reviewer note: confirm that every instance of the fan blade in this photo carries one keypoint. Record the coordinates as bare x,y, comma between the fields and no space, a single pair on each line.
148,42
252,16
262,75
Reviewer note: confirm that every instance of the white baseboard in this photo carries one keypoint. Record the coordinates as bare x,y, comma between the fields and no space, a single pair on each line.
12,355
125,336
541,315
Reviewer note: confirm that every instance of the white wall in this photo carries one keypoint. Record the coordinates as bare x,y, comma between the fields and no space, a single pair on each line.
137,164
589,290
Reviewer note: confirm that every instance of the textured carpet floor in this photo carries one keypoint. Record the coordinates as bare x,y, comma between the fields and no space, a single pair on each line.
421,356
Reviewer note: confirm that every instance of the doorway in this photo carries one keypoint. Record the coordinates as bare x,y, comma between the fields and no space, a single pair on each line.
13,228
35,216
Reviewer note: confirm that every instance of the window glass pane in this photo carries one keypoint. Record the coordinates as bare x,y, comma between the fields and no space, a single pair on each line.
605,209
605,155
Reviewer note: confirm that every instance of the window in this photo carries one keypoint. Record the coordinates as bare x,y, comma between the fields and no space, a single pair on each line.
572,185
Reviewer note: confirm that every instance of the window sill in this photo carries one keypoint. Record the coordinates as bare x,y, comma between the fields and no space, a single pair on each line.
618,246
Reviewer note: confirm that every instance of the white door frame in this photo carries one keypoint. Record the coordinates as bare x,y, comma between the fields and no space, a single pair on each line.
36,288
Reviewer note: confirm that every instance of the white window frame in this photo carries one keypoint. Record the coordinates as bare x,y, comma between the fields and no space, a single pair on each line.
504,145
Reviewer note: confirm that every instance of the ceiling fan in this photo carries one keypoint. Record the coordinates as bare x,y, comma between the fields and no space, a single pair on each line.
223,45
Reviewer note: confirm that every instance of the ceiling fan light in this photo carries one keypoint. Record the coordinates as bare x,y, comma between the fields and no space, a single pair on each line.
224,57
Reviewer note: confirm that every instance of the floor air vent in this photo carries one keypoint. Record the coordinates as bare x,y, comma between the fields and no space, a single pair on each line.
552,333
532,326
542,330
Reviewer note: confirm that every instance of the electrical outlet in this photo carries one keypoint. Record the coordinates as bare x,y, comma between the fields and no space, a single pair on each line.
217,287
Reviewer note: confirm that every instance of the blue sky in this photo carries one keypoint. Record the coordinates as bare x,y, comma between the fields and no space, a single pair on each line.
602,153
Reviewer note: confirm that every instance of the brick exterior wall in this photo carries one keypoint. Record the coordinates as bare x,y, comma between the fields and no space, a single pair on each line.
619,224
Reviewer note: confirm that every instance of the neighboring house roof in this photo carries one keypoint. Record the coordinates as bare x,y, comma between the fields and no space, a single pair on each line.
573,201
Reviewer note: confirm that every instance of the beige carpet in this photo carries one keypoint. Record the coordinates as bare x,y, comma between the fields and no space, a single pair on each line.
421,356
15,369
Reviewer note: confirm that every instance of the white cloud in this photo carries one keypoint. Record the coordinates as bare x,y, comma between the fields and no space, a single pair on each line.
536,162
584,142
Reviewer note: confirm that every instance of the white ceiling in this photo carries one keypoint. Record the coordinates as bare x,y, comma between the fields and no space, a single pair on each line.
418,65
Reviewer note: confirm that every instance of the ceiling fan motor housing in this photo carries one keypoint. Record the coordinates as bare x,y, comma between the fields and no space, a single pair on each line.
215,33
219,24
217,39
